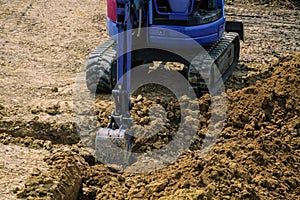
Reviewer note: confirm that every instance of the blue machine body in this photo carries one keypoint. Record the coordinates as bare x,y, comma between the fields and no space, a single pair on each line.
204,33
169,24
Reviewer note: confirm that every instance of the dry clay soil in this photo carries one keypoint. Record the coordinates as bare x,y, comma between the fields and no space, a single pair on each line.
44,46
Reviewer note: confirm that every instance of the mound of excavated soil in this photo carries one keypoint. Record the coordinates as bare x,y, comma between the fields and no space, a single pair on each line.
256,157
61,181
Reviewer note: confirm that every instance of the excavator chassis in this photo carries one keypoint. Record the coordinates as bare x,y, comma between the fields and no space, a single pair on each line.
165,22
113,143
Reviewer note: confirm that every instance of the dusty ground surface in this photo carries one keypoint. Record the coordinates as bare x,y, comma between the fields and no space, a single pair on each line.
15,165
45,44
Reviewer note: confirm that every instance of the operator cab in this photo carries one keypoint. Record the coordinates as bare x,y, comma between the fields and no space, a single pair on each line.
186,12
200,20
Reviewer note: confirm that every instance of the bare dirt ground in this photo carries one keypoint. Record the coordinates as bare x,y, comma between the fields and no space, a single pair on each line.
44,44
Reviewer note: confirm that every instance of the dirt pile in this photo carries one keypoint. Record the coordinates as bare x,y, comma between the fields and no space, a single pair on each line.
256,156
61,181
162,123
61,133
26,142
16,162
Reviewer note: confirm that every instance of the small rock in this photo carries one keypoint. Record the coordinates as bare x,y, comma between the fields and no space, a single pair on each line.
54,89
139,98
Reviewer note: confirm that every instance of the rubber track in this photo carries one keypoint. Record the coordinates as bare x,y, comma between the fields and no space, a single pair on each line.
98,67
202,65
99,63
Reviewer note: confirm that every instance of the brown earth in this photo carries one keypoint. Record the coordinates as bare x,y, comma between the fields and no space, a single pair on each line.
44,48
256,156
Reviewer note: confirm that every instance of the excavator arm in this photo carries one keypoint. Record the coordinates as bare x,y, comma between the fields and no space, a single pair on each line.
113,144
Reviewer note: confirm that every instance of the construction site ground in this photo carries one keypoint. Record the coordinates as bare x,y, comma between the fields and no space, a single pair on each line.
44,47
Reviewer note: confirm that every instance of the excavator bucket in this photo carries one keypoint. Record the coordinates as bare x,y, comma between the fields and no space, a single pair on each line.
113,146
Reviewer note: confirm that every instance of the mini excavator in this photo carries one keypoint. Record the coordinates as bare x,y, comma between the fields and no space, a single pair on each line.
154,24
